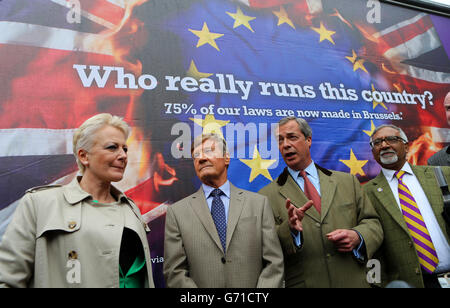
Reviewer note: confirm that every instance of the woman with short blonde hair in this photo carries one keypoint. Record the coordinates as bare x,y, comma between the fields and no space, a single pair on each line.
83,234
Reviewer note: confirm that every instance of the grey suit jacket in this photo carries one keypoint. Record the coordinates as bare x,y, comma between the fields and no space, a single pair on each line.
441,158
194,257
399,260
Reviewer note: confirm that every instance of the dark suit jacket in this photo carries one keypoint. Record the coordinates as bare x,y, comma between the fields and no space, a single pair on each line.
399,260
344,206
441,158
193,254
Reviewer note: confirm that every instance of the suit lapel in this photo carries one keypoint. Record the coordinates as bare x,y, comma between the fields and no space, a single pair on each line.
426,178
200,207
292,191
235,210
328,189
385,196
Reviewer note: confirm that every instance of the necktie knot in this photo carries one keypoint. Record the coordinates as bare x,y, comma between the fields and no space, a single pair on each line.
399,174
216,193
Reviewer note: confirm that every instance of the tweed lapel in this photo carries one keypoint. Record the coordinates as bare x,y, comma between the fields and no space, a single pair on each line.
383,192
328,190
291,190
235,210
200,207
425,176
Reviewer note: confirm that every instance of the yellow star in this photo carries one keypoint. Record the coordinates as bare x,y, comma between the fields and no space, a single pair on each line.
258,165
241,19
354,164
283,17
376,103
372,128
325,34
353,57
193,72
206,37
210,124
357,63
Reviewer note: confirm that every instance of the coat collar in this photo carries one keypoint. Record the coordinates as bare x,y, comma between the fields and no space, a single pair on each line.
74,193
290,189
425,176
198,203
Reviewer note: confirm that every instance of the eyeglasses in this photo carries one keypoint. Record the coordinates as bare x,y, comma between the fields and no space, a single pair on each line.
389,140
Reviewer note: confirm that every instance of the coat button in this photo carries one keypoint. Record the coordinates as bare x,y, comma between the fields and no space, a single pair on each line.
223,260
72,225
73,255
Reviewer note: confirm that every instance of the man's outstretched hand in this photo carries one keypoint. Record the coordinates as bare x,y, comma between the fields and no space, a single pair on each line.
296,215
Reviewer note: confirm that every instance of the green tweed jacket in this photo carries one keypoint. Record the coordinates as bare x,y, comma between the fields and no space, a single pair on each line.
317,263
399,260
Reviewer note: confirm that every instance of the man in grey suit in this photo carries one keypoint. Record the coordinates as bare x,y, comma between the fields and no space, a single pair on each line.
442,158
221,236
409,202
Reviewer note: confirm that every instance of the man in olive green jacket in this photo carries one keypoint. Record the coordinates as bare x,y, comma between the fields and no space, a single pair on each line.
398,255
328,246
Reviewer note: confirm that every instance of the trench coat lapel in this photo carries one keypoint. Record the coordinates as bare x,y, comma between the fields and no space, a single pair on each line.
200,207
235,210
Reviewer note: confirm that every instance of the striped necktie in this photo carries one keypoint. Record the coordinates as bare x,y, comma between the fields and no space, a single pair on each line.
422,241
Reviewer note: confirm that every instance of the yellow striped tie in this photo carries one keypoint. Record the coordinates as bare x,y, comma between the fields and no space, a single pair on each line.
422,241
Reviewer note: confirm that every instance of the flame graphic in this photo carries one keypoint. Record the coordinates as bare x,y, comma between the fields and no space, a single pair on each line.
146,171
422,148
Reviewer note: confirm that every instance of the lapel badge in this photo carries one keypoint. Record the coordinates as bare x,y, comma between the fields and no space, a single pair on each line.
379,189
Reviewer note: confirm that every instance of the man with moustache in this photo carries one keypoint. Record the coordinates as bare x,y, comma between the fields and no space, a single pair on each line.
326,240
442,158
221,236
409,202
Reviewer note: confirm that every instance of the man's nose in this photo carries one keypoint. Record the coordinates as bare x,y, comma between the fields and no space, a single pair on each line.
384,144
285,144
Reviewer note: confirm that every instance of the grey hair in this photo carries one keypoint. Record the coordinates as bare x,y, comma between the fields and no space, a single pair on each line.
304,126
200,139
84,136
402,133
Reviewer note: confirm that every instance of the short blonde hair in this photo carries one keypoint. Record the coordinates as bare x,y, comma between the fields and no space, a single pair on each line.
84,136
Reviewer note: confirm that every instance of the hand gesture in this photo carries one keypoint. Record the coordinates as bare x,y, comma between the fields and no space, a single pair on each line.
345,240
296,215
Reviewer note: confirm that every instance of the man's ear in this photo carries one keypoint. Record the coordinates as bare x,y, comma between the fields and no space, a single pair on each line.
227,159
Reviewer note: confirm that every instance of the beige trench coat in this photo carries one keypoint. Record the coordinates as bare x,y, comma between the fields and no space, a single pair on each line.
51,242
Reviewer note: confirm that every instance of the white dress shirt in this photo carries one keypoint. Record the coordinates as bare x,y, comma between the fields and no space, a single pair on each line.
436,234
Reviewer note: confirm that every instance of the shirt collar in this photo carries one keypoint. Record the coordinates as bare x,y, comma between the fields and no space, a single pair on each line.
311,170
225,188
390,174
